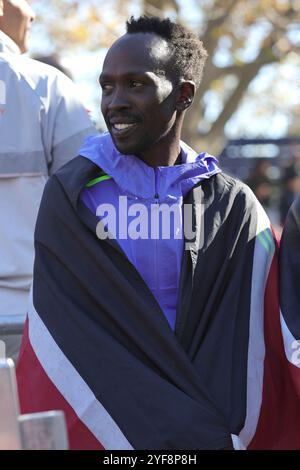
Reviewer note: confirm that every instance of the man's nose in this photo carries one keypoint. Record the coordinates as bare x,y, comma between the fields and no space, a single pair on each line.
30,13
119,99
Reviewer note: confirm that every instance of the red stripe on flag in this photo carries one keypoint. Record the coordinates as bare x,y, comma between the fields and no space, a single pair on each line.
279,422
40,394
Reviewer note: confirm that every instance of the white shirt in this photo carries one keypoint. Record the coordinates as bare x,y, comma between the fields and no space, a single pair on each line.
42,125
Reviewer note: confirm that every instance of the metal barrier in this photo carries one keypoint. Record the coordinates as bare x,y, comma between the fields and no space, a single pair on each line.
12,324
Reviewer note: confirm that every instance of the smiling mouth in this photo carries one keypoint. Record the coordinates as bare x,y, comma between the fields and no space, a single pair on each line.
121,129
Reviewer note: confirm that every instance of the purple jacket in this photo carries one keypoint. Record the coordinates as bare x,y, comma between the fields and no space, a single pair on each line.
153,248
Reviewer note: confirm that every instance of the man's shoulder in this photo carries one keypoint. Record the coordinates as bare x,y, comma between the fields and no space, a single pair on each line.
43,79
28,68
71,178
225,183
56,191
38,71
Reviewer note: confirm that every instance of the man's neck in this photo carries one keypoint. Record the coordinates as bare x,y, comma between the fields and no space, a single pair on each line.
165,152
162,157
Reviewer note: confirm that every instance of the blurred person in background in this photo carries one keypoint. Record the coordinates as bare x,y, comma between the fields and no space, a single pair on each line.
42,124
265,188
290,187
172,337
261,183
54,61
289,264
290,269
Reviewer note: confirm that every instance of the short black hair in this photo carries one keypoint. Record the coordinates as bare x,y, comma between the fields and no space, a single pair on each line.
189,54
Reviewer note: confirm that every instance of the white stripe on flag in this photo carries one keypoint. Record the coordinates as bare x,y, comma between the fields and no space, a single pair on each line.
291,344
263,254
71,385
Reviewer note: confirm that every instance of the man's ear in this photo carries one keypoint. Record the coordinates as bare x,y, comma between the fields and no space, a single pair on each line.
186,95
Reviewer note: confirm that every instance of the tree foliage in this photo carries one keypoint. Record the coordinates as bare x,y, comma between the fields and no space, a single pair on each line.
253,57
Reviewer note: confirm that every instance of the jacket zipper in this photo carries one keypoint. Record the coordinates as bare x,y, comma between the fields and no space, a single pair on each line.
156,200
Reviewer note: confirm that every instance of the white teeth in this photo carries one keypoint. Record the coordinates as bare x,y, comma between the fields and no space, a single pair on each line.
122,126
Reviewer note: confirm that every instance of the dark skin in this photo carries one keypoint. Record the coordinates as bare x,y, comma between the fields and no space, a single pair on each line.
143,100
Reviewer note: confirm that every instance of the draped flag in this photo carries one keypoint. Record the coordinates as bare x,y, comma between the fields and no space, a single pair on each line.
97,345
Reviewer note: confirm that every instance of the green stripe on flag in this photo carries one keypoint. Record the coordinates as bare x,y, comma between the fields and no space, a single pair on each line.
263,242
97,180
268,236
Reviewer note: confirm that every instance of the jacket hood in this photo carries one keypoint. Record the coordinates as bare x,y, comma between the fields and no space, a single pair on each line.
135,177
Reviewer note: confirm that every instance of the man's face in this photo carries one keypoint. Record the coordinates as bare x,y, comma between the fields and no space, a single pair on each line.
138,96
16,21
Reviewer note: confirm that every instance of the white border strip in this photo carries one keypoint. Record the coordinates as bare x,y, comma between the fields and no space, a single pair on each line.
256,349
291,344
71,385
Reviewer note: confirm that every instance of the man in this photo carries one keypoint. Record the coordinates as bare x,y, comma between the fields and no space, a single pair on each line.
42,125
289,284
147,311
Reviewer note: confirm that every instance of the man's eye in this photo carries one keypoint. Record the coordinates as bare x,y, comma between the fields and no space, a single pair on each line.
135,84
106,87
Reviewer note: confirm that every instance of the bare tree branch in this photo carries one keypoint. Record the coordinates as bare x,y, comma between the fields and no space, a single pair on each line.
157,7
245,74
